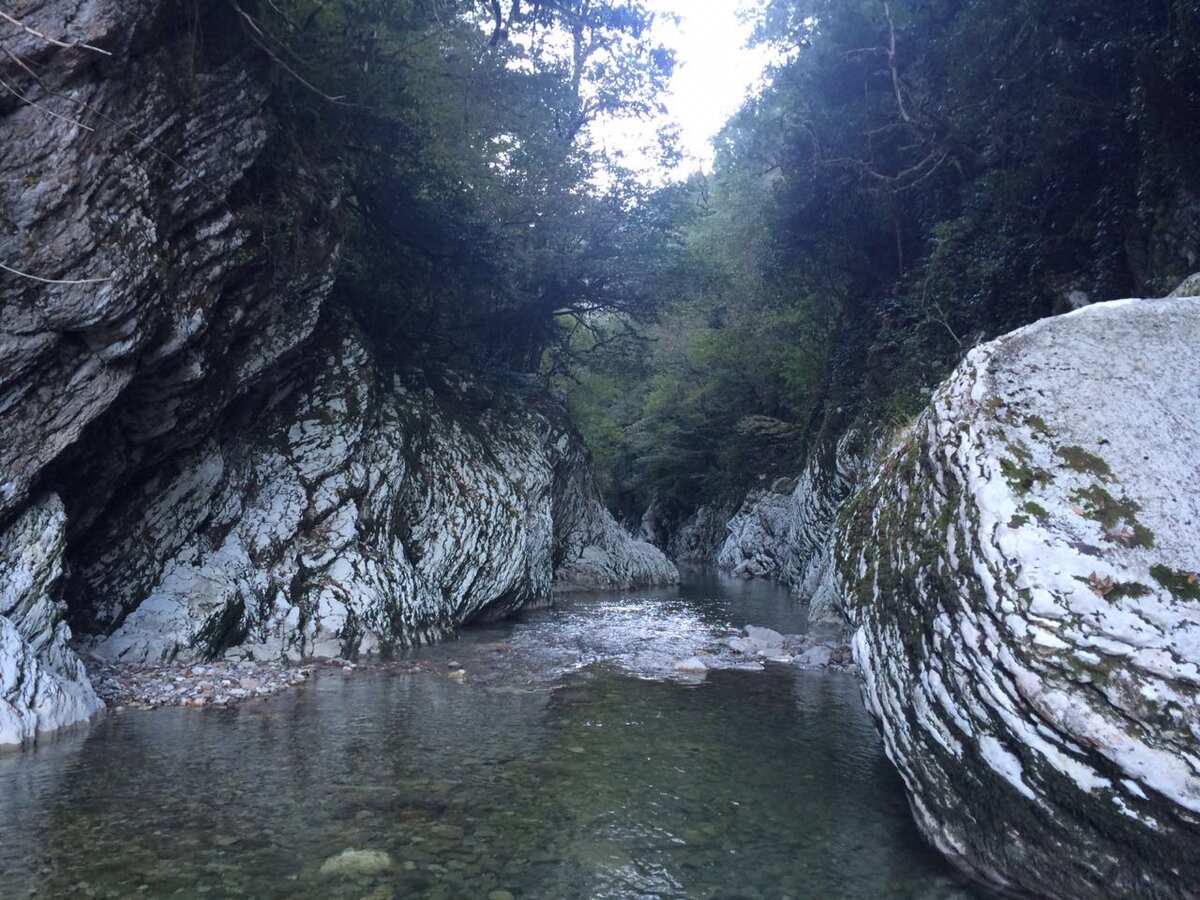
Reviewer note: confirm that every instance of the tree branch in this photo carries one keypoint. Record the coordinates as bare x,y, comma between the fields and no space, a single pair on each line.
53,280
49,40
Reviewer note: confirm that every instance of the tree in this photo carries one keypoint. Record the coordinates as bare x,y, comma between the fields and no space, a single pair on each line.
917,176
459,132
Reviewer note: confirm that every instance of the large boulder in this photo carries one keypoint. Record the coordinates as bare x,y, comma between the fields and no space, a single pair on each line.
1022,571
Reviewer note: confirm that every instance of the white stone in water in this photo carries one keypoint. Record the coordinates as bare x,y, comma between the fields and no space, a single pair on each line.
691,665
743,645
352,863
764,637
815,657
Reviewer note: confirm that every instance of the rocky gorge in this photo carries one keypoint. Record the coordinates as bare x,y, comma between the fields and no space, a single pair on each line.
215,476
201,451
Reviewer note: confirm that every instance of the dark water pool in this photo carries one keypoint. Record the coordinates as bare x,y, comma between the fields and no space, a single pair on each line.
572,762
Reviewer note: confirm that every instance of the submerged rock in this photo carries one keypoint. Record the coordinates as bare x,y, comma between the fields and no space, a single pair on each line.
805,651
1024,575
353,863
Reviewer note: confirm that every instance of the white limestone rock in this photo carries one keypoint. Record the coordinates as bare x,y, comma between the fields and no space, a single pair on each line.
1022,573
348,515
43,685
786,533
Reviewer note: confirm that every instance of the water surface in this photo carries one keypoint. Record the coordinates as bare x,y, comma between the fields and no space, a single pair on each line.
572,762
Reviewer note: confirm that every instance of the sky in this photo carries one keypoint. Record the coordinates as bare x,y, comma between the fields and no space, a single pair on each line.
715,71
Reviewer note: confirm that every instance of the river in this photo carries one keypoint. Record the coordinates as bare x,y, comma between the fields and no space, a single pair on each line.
569,760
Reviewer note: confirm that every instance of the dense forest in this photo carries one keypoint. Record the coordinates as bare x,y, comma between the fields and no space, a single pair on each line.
914,177
917,177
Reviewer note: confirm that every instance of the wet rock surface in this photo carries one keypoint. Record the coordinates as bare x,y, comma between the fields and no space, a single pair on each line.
1022,572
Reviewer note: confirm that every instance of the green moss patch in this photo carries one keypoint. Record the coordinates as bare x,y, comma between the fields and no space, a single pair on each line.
1119,517
1021,476
1081,460
1036,510
1180,583
1037,425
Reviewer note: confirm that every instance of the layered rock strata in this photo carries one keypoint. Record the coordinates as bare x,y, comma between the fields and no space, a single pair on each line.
786,533
210,450
352,513
42,683
1024,575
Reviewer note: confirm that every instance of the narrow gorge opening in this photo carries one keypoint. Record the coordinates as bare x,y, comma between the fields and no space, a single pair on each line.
546,448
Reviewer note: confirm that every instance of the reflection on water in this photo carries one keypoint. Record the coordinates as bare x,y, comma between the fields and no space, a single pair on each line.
560,769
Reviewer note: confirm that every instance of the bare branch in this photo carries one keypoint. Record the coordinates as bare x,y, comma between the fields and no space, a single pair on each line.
96,112
498,18
49,40
12,90
53,280
256,34
891,57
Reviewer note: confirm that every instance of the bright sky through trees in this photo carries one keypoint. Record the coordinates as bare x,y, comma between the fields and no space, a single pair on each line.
714,74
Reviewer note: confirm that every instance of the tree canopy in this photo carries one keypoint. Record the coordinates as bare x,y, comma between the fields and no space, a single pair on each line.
916,176
476,229
919,175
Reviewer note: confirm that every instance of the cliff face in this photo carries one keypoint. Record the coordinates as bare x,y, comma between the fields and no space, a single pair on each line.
1022,573
42,682
786,533
207,449
350,512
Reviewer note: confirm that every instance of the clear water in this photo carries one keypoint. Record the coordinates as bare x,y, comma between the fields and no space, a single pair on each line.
571,763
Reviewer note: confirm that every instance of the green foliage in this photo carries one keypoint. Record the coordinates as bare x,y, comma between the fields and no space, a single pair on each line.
459,131
918,176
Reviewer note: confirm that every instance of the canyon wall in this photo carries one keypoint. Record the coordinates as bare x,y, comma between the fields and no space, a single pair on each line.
203,453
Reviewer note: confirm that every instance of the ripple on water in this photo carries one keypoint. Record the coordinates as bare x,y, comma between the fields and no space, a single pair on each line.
570,764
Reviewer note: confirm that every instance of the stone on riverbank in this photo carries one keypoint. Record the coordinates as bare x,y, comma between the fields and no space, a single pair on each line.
222,683
1023,574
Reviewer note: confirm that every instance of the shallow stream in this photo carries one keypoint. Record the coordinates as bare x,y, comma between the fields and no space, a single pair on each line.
570,761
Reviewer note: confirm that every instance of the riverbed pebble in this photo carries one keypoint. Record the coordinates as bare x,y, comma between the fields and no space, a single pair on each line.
221,683
801,650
